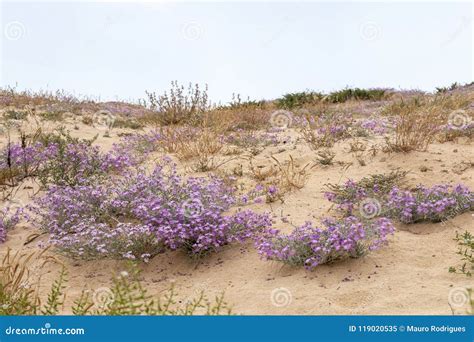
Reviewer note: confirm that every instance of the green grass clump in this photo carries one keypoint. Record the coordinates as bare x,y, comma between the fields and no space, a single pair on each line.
344,95
295,100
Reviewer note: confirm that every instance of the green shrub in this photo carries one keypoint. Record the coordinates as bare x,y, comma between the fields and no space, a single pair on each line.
52,116
344,95
465,243
15,115
294,100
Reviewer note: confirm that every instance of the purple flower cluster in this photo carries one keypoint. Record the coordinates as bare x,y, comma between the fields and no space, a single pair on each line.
8,220
351,195
268,192
61,163
141,215
326,129
25,160
134,149
435,204
376,126
311,246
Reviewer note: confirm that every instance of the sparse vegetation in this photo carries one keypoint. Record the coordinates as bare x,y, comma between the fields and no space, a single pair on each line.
465,242
176,177
179,105
359,94
296,100
126,296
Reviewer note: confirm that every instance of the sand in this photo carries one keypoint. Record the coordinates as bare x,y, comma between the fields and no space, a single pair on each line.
409,276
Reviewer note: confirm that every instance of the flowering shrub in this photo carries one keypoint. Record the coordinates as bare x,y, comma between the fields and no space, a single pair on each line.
349,195
325,130
74,164
376,126
408,206
269,192
8,220
311,246
23,161
133,149
140,215
61,161
429,204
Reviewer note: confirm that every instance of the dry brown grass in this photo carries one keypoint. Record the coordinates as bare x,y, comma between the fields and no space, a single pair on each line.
318,129
262,172
419,119
291,175
205,150
19,289
285,176
245,117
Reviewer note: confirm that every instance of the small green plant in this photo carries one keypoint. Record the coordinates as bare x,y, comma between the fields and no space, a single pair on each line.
465,242
52,116
56,295
237,103
19,290
453,86
127,123
15,115
127,296
19,294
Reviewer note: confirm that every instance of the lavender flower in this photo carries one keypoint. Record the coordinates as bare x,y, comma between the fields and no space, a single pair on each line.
8,221
429,204
311,246
144,214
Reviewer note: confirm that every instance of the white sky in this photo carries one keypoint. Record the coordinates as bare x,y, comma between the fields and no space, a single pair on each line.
257,49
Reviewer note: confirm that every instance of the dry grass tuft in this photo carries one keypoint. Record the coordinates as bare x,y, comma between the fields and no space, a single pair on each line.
418,120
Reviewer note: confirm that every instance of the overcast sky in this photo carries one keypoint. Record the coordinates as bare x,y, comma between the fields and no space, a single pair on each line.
260,50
